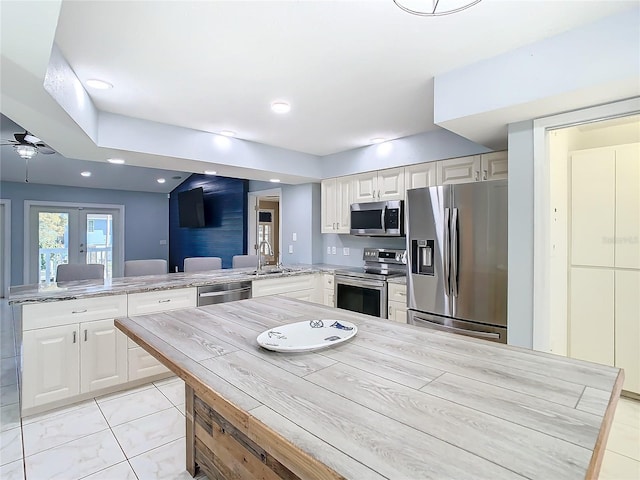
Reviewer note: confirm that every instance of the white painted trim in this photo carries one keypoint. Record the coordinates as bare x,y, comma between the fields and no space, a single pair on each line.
541,202
251,217
28,204
6,274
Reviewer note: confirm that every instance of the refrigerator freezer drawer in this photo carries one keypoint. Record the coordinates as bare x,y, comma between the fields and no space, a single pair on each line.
454,325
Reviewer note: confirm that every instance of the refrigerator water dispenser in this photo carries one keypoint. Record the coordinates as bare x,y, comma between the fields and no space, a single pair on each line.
422,257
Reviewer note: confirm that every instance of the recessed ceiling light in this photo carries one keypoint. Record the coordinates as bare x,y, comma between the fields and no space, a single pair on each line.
280,107
85,174
98,84
210,172
378,140
117,161
228,133
161,180
274,180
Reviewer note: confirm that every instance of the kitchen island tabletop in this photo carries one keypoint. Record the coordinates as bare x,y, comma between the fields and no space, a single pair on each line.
396,401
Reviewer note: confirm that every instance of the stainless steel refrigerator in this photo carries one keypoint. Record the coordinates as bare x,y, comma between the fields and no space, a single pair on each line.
457,258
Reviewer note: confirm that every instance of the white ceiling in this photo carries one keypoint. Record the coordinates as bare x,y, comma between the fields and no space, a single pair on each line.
55,169
352,70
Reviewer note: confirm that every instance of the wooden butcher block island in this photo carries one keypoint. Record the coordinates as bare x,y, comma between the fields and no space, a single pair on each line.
395,401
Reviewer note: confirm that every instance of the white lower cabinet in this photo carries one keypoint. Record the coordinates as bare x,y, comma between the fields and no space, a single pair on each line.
397,302
141,363
64,357
103,355
328,290
627,327
51,365
68,360
301,287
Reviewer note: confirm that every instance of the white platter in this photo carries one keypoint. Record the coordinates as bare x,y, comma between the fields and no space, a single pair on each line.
307,336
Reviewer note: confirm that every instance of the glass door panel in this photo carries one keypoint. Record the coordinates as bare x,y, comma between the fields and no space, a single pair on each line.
53,244
99,241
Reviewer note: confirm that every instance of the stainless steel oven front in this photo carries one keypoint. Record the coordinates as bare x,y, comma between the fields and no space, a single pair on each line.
363,295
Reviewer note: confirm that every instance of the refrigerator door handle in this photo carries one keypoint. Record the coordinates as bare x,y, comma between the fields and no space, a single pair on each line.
454,252
472,333
447,250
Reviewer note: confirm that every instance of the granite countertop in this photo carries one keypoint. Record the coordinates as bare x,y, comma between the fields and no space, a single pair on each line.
396,401
124,285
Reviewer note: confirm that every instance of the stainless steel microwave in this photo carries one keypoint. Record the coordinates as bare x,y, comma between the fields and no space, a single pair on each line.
378,219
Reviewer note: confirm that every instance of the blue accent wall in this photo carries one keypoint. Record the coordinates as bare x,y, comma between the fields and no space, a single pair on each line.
225,232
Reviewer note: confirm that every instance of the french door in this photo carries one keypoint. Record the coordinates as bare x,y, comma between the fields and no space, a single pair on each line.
74,234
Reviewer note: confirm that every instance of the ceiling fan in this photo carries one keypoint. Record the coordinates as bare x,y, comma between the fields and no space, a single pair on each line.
28,146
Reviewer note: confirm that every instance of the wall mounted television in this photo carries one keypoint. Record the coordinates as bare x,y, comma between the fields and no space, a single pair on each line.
191,208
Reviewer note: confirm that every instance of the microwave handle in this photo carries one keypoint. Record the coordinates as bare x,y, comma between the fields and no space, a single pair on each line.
382,215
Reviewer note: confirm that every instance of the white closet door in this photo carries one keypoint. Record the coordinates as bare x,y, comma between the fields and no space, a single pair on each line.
628,327
592,315
593,207
627,244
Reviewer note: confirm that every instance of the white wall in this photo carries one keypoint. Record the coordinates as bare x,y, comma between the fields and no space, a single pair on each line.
521,227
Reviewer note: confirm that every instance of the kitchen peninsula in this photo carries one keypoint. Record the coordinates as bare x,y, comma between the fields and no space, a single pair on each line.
397,401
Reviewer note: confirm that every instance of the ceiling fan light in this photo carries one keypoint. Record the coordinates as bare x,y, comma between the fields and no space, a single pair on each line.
26,151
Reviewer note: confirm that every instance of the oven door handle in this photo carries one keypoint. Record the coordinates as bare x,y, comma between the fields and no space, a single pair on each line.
377,284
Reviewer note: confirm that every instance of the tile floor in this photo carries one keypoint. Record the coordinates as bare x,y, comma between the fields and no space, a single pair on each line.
139,433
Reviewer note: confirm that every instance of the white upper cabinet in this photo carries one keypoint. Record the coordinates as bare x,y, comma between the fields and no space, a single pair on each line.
459,170
593,200
494,165
379,186
627,221
420,175
336,202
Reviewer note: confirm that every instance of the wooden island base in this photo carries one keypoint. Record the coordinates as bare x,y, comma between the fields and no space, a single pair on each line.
221,450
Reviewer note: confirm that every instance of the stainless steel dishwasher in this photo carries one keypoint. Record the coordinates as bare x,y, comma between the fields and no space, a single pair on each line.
223,292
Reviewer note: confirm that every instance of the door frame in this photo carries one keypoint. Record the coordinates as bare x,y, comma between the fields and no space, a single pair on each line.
28,204
6,273
542,217
252,233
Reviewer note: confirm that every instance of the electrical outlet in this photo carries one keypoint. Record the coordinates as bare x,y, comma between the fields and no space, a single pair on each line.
295,236
290,248
345,251
328,250
163,242
333,250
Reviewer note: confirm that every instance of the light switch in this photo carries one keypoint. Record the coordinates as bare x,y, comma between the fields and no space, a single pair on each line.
333,250
290,248
163,242
345,251
295,236
328,250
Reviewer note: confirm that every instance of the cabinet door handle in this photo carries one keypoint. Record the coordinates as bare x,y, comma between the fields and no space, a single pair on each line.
164,301
477,175
337,225
85,334
74,337
389,311
79,311
484,174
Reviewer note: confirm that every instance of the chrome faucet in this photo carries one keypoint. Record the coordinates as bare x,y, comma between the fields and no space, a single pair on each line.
269,252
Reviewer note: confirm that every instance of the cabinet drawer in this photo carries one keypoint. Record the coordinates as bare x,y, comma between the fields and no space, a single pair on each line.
161,301
66,312
276,286
397,293
327,281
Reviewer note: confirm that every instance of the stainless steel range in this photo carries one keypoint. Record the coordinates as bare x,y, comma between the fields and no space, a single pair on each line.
364,289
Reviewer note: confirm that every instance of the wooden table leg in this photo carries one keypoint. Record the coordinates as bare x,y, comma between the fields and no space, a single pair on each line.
192,468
